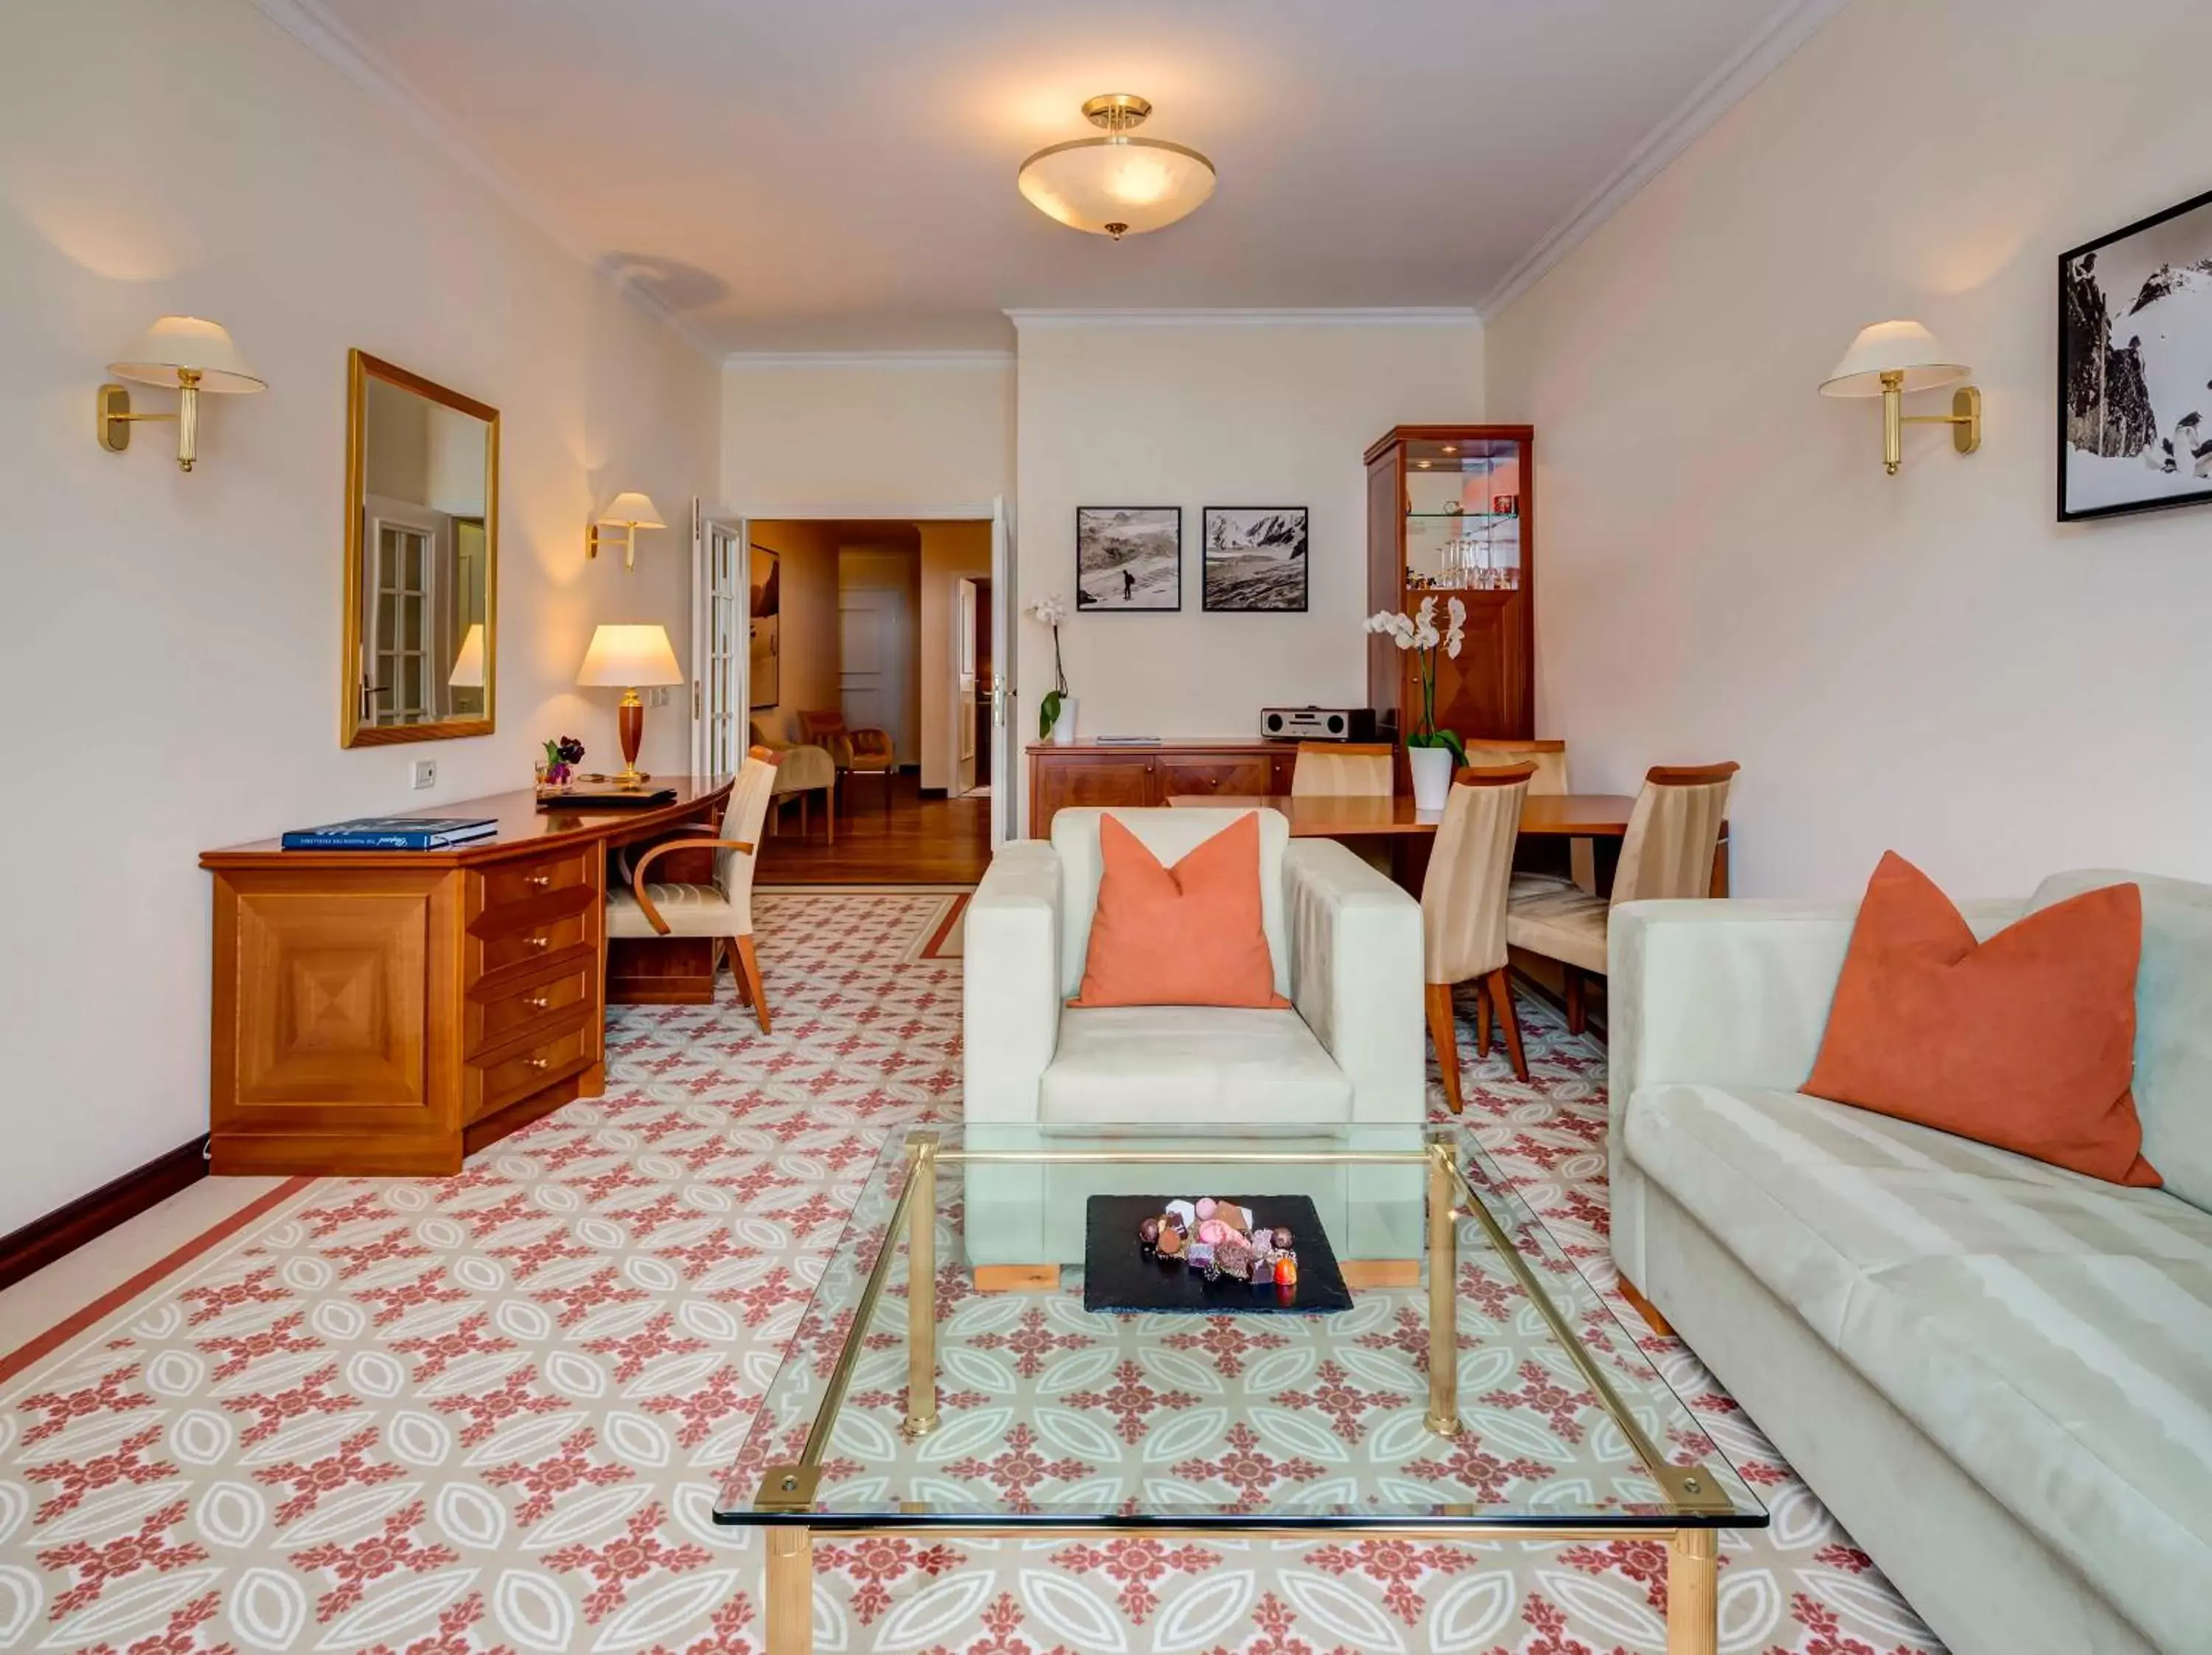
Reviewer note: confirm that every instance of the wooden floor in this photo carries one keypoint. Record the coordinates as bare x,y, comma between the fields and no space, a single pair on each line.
934,840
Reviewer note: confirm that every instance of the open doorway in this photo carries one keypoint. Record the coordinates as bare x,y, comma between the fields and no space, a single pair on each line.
858,660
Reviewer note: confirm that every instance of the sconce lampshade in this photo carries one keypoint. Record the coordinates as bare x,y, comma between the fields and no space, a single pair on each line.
1899,347
632,510
179,344
626,657
468,672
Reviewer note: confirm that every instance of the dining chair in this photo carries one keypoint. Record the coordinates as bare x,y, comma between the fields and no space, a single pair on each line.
864,751
1463,906
722,909
1668,851
1364,769
1549,757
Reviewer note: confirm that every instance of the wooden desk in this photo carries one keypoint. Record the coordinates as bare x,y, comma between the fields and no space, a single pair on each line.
1602,816
388,1012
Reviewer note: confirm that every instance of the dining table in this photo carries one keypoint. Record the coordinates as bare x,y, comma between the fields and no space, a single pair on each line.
1602,817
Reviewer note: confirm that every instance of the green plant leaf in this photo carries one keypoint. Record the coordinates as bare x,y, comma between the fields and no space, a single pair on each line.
1048,715
1458,747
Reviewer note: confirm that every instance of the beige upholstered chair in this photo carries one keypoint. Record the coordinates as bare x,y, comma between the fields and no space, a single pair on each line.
1550,758
856,752
722,909
1464,913
1353,770
800,769
1668,851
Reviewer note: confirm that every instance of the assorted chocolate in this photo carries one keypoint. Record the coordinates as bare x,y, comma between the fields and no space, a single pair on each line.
1221,1238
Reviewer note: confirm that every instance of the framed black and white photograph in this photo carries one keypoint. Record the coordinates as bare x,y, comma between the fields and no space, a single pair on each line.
1255,559
2135,366
1128,557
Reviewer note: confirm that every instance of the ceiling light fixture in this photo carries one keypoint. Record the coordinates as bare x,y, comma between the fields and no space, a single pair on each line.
1118,183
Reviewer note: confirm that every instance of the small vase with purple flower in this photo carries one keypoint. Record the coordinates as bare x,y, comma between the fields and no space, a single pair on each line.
561,757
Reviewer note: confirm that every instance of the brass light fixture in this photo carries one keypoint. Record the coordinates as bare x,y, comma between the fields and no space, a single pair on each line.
629,512
1117,185
180,353
1891,359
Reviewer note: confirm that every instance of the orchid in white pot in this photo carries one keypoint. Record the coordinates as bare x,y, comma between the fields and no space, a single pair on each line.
1056,712
1430,753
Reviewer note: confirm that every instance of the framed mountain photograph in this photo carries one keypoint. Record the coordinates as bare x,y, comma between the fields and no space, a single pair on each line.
1128,557
2135,366
1255,559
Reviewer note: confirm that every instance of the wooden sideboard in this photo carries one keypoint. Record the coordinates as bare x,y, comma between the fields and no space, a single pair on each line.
1086,773
390,1012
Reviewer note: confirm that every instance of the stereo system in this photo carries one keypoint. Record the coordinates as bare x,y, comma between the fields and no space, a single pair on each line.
1317,723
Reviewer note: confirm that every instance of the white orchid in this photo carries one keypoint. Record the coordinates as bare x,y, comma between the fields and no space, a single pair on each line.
1050,609
1418,631
1457,634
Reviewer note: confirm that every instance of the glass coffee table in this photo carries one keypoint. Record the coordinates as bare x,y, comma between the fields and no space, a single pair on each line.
946,1378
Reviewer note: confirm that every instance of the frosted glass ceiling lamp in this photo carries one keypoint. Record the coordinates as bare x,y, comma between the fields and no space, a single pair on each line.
1893,359
1117,185
629,512
184,354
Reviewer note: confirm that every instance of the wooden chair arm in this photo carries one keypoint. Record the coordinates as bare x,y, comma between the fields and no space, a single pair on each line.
645,903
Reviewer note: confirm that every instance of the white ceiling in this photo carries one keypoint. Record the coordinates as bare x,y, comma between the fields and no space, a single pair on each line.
839,174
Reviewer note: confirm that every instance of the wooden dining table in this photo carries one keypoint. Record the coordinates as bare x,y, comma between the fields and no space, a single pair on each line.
1600,816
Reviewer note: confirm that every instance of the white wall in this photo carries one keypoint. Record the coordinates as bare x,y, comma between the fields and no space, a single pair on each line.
1223,411
1927,662
848,433
173,657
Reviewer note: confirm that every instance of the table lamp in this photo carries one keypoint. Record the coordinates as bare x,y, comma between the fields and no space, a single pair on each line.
625,657
468,672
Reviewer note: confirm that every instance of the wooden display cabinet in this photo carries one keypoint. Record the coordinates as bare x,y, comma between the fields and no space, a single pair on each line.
1451,515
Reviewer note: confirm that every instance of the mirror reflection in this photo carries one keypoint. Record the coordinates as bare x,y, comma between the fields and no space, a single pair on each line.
421,550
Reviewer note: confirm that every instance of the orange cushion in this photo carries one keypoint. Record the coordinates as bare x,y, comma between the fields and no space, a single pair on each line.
1186,935
2026,1041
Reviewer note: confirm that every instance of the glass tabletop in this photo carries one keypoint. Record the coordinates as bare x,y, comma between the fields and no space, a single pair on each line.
940,1405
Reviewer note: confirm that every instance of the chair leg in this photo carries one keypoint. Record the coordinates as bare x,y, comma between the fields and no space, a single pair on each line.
1481,1021
1498,990
1577,1003
1443,1031
830,811
737,975
750,961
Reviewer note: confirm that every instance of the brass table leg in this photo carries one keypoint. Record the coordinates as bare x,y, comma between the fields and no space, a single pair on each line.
1693,1592
1444,1295
921,1296
791,1592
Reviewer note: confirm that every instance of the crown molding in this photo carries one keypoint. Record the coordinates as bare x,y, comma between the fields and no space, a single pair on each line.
310,23
1795,24
1350,316
764,361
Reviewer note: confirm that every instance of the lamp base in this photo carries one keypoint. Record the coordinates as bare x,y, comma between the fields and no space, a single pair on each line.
629,723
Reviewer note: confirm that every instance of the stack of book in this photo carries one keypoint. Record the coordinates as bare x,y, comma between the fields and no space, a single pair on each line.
393,833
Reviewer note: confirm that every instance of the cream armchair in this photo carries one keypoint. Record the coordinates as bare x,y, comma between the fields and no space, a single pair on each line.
1347,953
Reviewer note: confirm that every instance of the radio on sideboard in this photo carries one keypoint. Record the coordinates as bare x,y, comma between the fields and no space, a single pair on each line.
1317,723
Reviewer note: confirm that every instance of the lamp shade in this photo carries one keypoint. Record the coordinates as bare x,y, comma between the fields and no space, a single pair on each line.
468,672
632,510
177,344
1899,347
626,657
1117,185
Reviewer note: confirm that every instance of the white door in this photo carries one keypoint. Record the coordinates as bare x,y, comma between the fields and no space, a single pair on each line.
966,593
721,598
872,662
1006,780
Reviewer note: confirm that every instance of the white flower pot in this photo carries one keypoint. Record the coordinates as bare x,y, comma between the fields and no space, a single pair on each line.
1432,775
1063,728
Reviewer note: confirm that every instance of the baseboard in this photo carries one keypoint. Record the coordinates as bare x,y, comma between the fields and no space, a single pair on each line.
63,1231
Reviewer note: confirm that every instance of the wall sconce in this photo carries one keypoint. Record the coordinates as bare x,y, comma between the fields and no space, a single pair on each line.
629,512
180,353
1892,358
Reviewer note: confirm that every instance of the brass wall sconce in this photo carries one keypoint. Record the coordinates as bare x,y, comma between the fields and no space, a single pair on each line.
629,512
180,353
1891,359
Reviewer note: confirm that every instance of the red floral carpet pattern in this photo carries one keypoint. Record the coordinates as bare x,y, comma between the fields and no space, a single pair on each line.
490,1412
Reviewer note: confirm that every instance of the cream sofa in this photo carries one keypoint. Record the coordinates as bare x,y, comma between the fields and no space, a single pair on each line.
1997,1375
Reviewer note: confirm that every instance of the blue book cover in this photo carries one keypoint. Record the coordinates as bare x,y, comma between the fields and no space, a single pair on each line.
392,833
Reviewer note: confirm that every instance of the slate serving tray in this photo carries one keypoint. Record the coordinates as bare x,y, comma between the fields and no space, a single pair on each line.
1120,1279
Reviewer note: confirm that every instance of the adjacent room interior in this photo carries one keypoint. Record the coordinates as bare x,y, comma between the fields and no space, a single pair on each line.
1264,829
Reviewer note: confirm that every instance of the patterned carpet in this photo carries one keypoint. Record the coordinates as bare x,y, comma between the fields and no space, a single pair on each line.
491,1412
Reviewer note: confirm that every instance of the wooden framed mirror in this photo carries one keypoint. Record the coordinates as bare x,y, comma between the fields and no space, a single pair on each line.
422,571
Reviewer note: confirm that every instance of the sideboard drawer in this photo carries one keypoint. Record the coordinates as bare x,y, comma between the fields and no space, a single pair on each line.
495,1085
490,1018
1196,775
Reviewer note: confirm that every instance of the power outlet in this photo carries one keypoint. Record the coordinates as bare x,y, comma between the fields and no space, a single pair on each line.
423,774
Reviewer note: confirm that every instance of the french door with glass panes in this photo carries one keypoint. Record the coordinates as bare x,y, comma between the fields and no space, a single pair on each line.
399,683
718,688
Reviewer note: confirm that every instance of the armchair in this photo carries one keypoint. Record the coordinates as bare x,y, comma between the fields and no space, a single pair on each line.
864,751
800,769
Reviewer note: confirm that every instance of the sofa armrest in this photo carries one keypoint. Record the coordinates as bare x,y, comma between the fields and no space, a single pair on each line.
1010,983
1355,943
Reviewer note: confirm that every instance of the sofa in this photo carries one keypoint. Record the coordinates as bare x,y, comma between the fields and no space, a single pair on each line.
1996,1373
